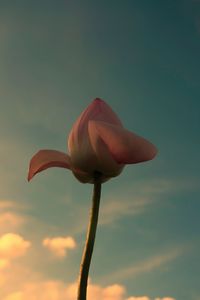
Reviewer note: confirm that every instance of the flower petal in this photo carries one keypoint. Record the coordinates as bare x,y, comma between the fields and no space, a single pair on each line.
124,146
87,157
98,110
45,159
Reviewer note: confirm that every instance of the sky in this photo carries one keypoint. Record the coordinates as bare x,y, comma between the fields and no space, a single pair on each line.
142,58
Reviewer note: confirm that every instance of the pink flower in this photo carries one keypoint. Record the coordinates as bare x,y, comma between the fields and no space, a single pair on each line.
98,142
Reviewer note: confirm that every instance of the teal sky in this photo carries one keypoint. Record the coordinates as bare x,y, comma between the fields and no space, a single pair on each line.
142,58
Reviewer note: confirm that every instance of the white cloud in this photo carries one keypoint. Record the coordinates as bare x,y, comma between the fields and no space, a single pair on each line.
130,201
112,210
59,245
146,265
13,245
141,195
165,298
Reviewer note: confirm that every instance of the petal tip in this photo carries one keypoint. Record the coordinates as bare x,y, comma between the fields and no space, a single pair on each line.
31,174
45,159
29,177
98,100
154,152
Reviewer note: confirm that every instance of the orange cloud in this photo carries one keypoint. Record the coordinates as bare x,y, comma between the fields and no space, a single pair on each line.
10,220
12,245
113,292
138,298
14,296
5,204
57,290
4,263
59,245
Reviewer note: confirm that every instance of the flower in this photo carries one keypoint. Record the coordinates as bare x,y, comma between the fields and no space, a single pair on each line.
97,143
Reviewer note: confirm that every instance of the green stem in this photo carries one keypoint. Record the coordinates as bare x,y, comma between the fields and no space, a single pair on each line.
89,244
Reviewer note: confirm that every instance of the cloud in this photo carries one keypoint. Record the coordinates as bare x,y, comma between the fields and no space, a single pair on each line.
165,298
145,194
139,198
10,221
4,263
5,204
147,298
113,292
11,205
146,265
59,245
115,209
131,200
13,245
58,290
97,292
138,298
14,296
33,285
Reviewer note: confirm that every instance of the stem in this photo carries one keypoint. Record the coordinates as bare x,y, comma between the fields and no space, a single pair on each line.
89,244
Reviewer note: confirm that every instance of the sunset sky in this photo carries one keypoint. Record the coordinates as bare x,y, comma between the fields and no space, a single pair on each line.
143,58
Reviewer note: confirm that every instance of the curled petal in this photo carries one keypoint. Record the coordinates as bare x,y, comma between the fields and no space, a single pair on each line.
45,159
124,146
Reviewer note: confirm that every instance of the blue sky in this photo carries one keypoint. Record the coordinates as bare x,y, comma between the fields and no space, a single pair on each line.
142,58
